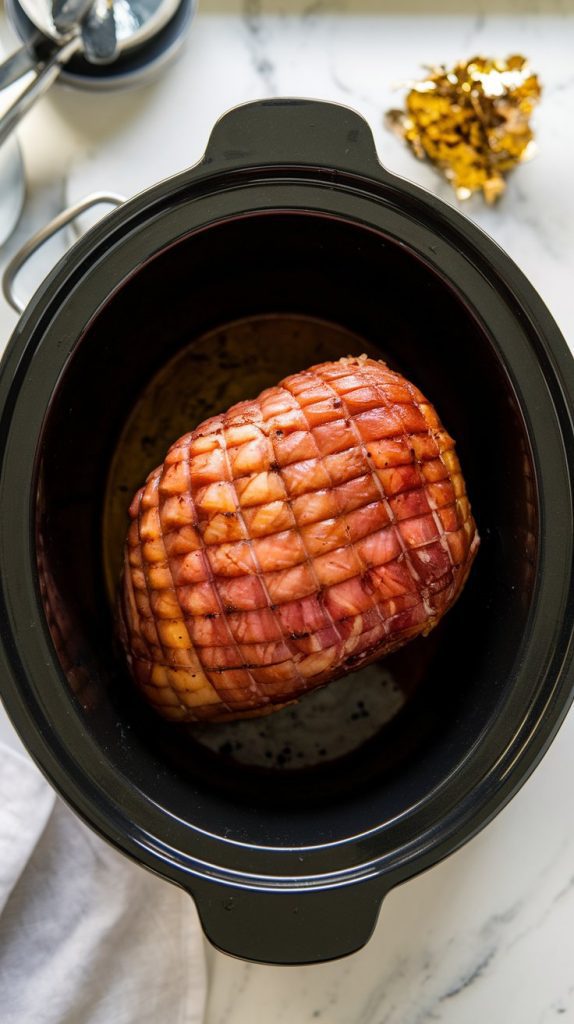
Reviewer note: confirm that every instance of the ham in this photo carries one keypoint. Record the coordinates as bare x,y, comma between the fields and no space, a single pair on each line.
290,540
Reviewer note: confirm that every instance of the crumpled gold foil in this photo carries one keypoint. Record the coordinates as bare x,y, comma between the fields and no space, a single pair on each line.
472,121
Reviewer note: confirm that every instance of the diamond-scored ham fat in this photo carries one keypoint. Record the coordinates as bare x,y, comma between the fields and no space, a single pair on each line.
290,540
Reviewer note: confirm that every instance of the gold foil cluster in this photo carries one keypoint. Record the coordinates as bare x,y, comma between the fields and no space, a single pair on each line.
472,121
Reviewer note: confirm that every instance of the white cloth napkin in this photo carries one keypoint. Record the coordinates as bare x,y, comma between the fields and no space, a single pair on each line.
86,936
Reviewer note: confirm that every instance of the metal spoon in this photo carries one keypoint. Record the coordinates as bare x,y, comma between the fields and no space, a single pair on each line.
135,21
57,25
99,34
67,14
97,26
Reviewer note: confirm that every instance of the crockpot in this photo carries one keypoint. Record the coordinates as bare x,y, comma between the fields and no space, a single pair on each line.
288,215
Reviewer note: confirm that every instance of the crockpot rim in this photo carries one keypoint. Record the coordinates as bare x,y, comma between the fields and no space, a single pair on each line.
67,275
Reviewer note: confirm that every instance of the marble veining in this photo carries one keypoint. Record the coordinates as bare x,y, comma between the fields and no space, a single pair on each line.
487,934
257,44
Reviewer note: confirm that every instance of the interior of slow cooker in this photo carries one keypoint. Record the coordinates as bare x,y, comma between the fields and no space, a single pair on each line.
273,270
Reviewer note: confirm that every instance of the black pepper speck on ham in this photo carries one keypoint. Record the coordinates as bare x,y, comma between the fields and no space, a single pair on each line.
290,540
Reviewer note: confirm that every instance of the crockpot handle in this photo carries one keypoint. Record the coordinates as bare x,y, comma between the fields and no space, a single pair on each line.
294,132
286,927
15,265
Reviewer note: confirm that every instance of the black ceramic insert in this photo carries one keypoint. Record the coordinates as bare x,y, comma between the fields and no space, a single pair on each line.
290,213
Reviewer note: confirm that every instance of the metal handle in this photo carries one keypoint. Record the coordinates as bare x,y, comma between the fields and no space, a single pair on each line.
39,51
31,56
47,74
65,217
16,66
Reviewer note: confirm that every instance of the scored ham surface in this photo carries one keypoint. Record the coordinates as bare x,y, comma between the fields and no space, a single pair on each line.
290,540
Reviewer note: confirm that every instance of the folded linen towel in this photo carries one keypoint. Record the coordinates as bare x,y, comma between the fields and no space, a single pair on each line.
86,935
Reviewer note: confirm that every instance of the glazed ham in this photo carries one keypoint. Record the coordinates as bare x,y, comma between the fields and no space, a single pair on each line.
290,540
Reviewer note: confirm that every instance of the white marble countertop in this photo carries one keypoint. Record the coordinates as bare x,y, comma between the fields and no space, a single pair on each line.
487,934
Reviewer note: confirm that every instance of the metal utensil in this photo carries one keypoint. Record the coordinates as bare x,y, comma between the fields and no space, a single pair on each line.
66,15
134,22
56,23
99,33
46,74
47,16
